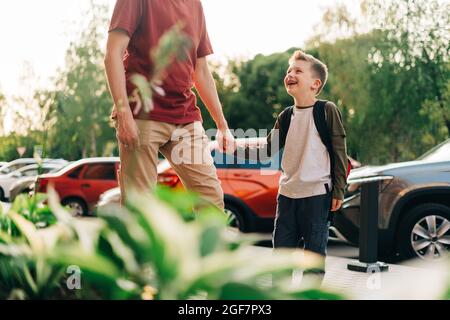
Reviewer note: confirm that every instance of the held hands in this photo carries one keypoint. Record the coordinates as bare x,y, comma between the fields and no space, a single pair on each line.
225,140
336,205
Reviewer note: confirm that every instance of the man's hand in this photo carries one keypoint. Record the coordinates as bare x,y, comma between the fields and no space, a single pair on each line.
127,131
225,140
336,205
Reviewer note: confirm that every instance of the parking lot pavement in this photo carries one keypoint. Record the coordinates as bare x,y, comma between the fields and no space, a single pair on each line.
335,248
420,280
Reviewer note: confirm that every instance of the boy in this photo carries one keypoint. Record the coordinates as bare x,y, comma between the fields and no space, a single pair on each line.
314,164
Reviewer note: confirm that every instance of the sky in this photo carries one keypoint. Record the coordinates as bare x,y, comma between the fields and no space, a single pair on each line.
36,34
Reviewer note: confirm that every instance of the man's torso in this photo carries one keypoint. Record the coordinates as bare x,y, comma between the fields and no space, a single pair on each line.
152,20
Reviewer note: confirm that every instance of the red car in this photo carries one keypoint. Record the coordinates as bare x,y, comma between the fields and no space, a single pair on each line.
250,187
250,193
80,184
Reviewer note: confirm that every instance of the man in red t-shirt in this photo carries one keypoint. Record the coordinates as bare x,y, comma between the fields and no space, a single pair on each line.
136,27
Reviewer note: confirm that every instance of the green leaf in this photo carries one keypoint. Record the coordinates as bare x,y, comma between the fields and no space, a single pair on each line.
315,294
241,291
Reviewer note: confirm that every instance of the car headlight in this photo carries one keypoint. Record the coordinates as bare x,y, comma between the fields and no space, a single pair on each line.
354,185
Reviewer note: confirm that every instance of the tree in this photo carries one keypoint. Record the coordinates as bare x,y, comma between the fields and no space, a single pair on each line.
77,113
9,144
253,92
391,82
414,51
227,84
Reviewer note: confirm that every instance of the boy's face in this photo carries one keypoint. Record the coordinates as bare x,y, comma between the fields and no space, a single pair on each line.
300,79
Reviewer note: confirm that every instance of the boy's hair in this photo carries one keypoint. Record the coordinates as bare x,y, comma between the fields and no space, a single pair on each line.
317,66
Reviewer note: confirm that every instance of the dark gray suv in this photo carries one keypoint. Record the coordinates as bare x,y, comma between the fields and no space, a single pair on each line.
414,206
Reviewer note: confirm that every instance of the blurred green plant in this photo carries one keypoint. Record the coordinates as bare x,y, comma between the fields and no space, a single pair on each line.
146,250
32,209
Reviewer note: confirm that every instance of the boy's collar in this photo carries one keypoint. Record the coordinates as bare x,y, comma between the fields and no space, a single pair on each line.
306,107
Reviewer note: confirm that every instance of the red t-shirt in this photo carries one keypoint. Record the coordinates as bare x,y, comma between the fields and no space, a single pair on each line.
145,21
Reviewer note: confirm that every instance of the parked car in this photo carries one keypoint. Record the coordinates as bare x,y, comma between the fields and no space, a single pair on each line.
15,165
22,162
166,176
250,188
81,183
250,195
414,206
25,185
27,172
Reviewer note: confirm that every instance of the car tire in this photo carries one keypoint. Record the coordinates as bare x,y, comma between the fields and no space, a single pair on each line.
235,217
417,236
77,207
2,194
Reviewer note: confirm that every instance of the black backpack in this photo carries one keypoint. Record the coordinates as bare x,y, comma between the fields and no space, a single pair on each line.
321,125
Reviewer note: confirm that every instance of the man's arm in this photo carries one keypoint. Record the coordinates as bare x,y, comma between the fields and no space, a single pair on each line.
206,87
127,132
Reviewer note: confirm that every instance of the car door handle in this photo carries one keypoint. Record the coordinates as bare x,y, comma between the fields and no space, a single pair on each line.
243,175
86,185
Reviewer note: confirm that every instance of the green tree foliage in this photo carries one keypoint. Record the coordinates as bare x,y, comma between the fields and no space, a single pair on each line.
77,113
10,143
252,92
409,76
391,83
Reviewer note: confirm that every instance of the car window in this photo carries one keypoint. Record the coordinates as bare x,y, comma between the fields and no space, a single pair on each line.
100,171
47,170
75,173
12,168
30,173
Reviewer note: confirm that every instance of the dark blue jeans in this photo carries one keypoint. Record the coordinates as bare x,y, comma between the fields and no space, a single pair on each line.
302,219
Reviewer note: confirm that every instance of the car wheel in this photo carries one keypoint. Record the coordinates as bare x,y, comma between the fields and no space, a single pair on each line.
425,232
235,218
2,194
77,207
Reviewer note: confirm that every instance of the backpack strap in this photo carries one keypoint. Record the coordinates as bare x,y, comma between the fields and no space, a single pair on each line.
285,123
322,128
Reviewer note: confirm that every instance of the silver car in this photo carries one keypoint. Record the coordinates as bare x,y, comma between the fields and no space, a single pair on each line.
414,206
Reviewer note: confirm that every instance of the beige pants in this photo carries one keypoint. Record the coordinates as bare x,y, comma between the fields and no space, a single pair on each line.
186,147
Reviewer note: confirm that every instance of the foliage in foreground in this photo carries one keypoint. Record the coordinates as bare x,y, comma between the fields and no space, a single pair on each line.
146,250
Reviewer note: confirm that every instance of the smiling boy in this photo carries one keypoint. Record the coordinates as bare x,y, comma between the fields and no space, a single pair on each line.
314,169
314,165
